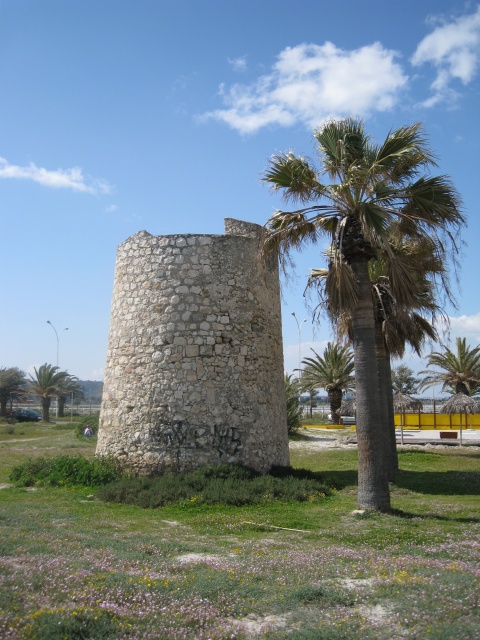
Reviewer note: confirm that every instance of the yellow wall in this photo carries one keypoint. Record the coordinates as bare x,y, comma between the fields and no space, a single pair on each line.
438,420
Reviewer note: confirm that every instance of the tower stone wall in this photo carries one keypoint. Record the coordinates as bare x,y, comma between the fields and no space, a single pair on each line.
194,371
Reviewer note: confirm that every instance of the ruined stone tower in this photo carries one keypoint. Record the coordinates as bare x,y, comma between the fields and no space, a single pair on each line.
194,371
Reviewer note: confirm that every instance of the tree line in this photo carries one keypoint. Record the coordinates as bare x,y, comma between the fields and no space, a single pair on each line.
48,382
457,371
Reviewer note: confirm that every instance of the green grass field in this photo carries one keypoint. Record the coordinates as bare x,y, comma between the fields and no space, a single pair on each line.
74,567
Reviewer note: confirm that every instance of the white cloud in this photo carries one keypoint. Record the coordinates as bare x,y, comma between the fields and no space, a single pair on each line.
59,179
466,327
238,64
111,208
454,49
310,83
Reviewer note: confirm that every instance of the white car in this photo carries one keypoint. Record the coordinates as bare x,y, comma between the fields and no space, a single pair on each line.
345,420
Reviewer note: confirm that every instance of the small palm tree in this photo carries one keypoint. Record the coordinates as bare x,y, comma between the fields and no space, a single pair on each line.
332,372
367,188
12,387
459,372
294,410
70,387
45,384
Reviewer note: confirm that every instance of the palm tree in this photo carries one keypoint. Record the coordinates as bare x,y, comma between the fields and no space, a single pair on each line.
70,387
460,371
399,315
45,384
368,187
399,318
332,372
12,387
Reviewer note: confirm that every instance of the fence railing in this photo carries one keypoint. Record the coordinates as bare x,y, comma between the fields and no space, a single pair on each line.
81,409
421,420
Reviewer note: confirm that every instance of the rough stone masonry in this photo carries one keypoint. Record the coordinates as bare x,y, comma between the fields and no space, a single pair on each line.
194,371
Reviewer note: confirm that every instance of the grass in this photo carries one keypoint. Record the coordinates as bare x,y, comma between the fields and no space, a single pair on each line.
75,567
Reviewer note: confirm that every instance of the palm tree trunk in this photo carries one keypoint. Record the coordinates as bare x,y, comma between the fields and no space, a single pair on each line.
61,406
373,491
384,385
391,417
46,408
335,400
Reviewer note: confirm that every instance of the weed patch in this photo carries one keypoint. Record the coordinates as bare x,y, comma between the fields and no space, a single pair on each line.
80,623
65,471
224,484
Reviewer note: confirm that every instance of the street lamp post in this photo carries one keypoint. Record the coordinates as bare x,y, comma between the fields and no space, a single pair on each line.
299,325
57,336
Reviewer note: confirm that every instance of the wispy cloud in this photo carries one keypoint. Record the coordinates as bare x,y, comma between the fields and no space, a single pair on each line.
238,64
73,179
310,83
453,48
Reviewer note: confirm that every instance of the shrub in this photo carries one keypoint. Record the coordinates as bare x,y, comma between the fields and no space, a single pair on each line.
66,470
224,484
80,623
294,409
91,420
8,429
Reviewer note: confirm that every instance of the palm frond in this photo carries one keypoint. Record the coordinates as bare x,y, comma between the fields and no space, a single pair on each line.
341,143
294,176
403,153
433,201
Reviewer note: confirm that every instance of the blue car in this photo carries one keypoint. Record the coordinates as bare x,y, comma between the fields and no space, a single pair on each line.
26,415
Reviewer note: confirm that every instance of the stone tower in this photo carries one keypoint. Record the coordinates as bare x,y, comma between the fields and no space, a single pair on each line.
194,372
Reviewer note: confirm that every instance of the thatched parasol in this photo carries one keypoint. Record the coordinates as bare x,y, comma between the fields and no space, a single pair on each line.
460,403
403,402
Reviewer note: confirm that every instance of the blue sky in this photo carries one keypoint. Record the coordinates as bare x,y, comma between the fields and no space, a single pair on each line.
122,115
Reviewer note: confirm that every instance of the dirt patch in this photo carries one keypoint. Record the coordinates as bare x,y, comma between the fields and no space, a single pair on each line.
323,439
255,624
197,557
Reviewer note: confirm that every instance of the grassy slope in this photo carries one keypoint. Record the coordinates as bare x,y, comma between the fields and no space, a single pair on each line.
68,560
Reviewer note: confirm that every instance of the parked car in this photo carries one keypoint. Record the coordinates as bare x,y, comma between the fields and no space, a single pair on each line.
26,415
345,420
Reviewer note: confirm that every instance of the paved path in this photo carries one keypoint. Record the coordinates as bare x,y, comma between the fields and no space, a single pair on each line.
470,437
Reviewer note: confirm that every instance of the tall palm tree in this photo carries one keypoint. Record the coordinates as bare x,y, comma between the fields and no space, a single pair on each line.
45,384
70,387
459,372
368,187
332,372
399,318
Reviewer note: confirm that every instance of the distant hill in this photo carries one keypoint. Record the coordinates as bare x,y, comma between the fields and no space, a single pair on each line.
93,391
